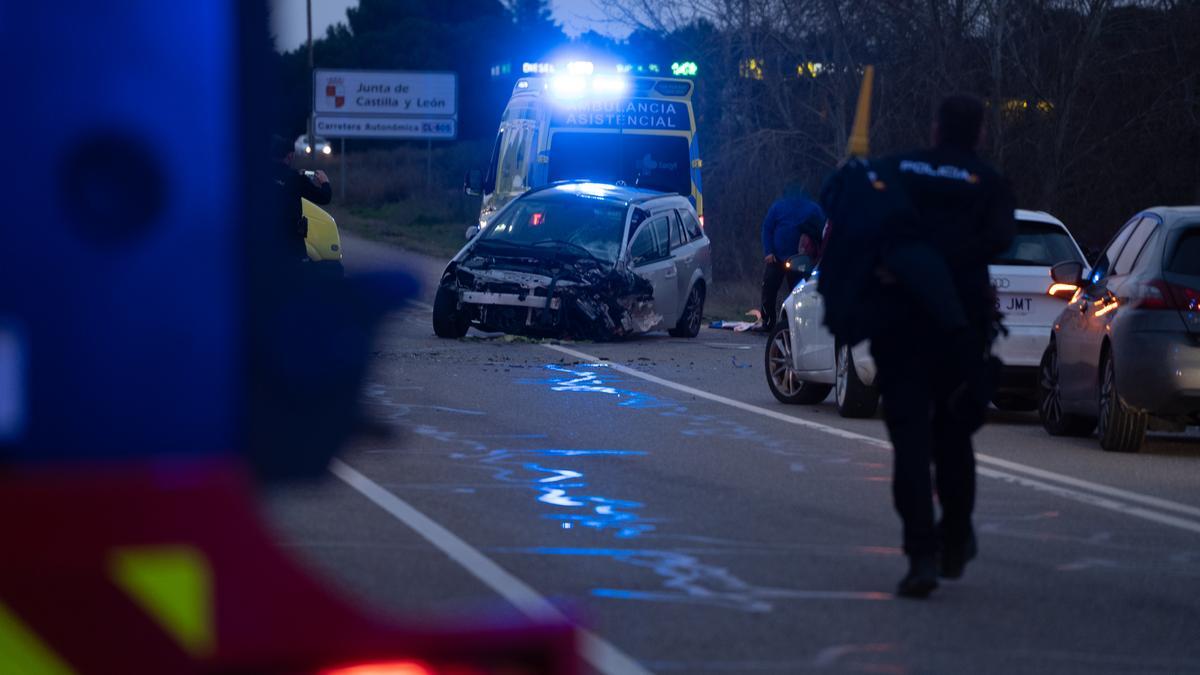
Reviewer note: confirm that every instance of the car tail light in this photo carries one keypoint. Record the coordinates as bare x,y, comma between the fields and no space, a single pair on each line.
411,667
701,220
1065,291
1156,295
381,668
1159,294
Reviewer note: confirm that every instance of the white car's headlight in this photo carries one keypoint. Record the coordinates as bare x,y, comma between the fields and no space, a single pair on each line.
327,150
308,149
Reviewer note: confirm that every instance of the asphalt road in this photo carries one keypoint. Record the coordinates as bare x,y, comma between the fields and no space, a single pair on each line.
655,492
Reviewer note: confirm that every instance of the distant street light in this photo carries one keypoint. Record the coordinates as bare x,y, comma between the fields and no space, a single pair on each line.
684,69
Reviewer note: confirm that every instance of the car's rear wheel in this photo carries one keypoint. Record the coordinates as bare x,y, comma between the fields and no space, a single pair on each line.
782,378
1050,410
854,398
1121,429
448,320
693,313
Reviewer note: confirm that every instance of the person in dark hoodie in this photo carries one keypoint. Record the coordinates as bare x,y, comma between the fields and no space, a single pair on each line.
933,335
793,225
290,187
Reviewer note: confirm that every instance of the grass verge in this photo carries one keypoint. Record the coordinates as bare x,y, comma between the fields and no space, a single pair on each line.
399,224
730,300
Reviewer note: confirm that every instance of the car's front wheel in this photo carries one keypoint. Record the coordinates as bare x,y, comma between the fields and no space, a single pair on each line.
1121,429
782,378
448,319
854,398
1050,409
693,313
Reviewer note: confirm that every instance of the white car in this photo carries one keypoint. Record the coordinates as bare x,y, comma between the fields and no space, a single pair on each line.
803,364
320,146
584,260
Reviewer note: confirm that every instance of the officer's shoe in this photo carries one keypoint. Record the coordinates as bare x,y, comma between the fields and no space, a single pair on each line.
955,558
921,579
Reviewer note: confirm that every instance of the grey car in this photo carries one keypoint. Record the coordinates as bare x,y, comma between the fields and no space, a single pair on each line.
583,260
1124,355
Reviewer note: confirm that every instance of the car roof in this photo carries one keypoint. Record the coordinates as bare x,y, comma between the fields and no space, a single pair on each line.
1175,213
608,191
1037,217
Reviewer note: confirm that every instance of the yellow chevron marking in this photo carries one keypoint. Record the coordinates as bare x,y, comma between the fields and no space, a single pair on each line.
23,653
173,584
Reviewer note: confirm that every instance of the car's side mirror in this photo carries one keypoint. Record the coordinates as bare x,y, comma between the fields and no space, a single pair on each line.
801,264
471,232
1070,272
473,182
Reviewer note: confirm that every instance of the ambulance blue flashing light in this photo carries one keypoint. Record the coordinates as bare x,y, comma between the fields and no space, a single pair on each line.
601,86
568,86
581,67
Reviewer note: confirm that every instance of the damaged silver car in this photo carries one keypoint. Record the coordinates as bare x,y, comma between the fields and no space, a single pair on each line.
580,260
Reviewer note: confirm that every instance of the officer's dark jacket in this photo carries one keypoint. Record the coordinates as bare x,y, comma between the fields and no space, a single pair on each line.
290,187
963,209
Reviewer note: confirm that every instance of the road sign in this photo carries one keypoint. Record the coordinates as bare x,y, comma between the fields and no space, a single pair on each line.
378,92
363,126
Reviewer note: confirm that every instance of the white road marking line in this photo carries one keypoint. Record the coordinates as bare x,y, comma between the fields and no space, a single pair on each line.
1094,500
597,651
1099,495
1099,488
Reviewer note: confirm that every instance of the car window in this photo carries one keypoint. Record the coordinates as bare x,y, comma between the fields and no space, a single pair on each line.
642,249
1134,246
1146,256
489,181
560,220
516,150
662,235
1185,259
1039,245
691,225
1111,252
677,238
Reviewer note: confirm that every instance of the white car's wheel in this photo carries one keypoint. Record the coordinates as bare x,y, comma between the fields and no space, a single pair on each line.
782,378
854,399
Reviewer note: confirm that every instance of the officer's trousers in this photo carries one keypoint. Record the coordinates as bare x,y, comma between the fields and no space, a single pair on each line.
917,375
774,274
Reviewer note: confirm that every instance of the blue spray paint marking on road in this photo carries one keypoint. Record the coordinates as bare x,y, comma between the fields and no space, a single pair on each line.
591,380
561,485
687,579
597,378
564,488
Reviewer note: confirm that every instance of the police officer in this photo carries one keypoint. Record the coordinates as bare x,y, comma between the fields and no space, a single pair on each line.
935,369
290,186
793,225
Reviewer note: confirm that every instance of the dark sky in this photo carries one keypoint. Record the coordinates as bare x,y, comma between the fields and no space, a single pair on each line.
288,18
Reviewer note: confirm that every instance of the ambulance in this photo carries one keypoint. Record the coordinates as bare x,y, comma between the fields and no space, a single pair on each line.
607,128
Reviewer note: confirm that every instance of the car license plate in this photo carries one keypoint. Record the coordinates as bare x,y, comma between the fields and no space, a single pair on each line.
1015,305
